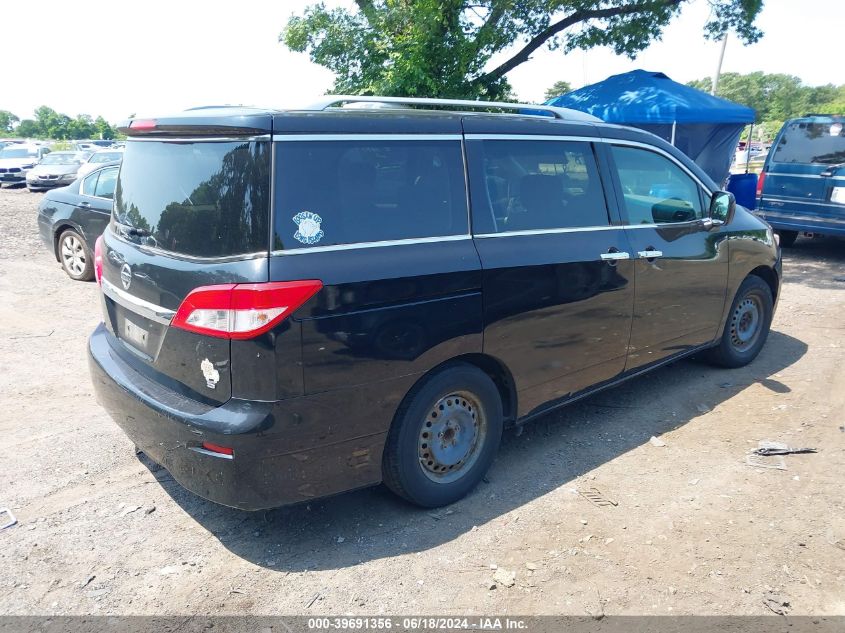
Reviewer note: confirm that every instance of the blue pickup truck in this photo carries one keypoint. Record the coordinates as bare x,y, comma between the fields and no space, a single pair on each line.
802,185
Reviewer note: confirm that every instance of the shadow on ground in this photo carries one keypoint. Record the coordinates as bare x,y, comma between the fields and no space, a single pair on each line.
816,262
349,529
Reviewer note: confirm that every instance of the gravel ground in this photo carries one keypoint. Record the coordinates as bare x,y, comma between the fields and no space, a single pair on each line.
695,530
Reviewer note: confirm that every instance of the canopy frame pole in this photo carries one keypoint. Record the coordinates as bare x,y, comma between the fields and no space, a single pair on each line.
748,148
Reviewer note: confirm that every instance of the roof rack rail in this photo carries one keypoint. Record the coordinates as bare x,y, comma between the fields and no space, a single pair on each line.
559,113
212,107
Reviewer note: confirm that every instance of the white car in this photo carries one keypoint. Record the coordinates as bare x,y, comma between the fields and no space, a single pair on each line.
56,170
16,160
98,159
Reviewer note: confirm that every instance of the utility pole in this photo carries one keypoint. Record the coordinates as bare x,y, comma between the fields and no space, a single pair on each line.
715,82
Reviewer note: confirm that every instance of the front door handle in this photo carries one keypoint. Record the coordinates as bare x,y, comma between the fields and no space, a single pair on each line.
650,253
615,255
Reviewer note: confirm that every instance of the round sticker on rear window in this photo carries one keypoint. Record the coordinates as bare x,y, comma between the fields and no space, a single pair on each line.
308,225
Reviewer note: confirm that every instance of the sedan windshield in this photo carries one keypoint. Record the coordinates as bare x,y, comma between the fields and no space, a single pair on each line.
59,159
105,157
17,152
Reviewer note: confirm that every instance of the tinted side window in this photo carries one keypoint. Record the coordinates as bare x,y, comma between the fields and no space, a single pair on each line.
89,184
106,183
346,192
655,189
520,185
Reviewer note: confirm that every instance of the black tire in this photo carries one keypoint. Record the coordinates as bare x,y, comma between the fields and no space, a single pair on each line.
75,256
787,238
747,327
473,422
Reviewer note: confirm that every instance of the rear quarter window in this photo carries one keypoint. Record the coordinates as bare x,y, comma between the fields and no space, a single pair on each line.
331,193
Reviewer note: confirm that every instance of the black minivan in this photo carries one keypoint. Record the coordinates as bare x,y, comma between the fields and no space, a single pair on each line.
300,303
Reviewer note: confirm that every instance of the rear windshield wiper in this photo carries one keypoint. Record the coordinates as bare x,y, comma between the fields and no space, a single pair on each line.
830,169
132,230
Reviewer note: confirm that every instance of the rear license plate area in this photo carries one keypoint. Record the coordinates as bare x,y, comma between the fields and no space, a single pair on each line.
838,195
135,335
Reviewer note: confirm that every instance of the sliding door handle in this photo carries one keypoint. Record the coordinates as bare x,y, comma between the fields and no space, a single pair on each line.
650,254
609,257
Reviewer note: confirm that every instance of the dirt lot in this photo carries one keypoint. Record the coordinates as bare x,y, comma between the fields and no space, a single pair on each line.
695,531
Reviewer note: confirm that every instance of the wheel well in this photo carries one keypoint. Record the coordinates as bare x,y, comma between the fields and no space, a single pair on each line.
501,377
56,234
769,276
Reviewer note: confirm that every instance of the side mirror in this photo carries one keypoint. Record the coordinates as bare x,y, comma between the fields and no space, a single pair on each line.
722,207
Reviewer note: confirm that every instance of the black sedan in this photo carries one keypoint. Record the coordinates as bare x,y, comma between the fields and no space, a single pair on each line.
70,219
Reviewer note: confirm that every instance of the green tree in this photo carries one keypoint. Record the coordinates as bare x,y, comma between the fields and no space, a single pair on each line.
7,121
445,48
103,129
834,107
556,89
28,128
80,127
775,97
49,124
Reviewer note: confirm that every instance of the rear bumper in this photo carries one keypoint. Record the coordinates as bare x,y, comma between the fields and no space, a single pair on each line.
280,456
802,223
45,230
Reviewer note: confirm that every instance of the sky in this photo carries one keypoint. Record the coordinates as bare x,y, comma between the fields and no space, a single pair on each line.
115,58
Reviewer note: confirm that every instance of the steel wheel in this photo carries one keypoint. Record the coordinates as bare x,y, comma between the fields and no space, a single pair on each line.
745,322
747,325
449,439
444,436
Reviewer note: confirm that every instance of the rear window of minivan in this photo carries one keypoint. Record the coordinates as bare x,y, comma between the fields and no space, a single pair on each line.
806,142
196,198
337,192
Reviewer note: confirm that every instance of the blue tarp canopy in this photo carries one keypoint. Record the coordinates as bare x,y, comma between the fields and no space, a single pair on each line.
704,127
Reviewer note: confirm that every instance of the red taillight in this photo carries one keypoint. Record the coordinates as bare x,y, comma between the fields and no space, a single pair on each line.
142,124
98,260
241,311
760,179
216,448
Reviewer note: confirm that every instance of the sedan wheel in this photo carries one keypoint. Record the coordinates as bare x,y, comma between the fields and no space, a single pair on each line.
75,256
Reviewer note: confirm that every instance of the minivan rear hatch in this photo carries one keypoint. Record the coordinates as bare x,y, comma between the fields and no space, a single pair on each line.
191,209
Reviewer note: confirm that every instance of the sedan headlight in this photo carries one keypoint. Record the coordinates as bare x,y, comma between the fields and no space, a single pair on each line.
68,177
30,166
